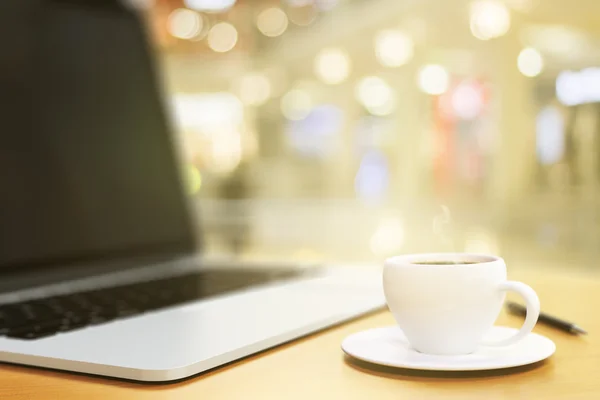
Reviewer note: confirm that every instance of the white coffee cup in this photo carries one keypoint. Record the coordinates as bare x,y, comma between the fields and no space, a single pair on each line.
448,309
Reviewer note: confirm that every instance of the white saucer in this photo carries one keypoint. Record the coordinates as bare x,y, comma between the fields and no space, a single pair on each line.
388,346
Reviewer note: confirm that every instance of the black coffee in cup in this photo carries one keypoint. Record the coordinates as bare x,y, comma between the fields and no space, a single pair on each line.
445,262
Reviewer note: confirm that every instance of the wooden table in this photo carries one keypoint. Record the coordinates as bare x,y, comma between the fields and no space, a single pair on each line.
315,368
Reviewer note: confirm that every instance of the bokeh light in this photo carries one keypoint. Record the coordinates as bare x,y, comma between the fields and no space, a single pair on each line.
433,79
332,66
388,237
210,5
467,100
375,95
216,120
204,28
373,177
316,135
184,23
573,88
303,15
296,104
393,48
530,62
194,179
489,19
550,135
272,22
226,151
569,88
222,37
254,89
207,112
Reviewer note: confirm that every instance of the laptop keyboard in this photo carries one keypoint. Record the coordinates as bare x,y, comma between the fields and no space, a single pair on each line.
39,318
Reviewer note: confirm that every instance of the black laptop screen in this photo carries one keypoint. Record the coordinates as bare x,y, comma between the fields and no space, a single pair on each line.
87,167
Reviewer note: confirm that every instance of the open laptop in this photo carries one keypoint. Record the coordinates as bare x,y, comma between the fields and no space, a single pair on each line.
101,269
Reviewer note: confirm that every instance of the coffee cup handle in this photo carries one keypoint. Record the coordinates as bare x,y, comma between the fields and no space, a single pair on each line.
532,303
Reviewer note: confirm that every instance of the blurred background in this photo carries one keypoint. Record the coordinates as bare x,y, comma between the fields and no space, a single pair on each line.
351,130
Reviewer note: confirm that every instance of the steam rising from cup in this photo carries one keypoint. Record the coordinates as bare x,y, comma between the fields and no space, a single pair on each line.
442,228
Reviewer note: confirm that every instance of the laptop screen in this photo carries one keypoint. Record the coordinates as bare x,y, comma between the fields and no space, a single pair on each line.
87,166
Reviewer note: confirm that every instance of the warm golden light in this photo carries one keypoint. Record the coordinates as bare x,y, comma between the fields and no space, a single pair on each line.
489,19
393,48
210,5
578,87
433,79
375,95
388,238
184,23
204,28
222,37
272,22
467,100
254,89
226,151
530,62
303,15
332,66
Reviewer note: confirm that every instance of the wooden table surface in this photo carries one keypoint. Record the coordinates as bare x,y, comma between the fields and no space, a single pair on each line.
315,367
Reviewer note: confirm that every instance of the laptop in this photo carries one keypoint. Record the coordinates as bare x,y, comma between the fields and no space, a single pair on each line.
102,269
